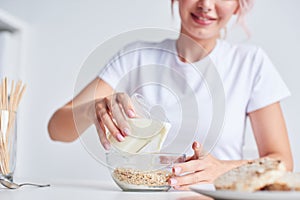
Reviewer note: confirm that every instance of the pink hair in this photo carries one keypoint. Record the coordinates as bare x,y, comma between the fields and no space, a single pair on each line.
244,7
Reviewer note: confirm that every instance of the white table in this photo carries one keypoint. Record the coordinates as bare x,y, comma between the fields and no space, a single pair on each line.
90,190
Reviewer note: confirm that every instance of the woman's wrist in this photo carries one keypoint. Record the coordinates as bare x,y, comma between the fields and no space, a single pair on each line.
231,164
84,115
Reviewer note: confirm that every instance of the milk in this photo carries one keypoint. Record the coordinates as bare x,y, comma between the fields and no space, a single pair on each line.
147,135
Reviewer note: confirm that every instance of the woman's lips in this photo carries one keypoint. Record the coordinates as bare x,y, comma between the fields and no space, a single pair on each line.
202,19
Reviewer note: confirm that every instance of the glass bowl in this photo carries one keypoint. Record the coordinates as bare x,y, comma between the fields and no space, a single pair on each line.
142,172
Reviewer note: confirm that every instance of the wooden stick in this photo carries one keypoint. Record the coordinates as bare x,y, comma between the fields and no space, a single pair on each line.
2,165
5,94
19,97
11,94
11,110
14,109
2,138
4,162
2,143
8,103
19,84
1,96
11,120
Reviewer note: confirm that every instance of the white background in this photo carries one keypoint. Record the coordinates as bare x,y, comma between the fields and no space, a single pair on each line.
63,33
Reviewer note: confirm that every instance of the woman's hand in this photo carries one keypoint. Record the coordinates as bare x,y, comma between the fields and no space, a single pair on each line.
110,115
197,169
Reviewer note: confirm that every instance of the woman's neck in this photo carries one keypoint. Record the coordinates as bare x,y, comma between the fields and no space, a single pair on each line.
192,50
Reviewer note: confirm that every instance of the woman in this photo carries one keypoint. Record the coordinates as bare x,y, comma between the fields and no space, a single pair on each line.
252,89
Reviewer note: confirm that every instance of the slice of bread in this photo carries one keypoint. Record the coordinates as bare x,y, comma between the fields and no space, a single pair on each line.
252,176
288,182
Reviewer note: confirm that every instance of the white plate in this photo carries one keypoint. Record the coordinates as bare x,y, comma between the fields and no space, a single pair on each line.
232,195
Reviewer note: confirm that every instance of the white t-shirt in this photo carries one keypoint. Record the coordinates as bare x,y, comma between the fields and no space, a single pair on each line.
185,91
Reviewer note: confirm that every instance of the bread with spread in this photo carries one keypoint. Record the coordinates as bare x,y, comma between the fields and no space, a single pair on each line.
252,176
288,182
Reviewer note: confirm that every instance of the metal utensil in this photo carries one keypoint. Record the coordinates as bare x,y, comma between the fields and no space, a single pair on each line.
11,185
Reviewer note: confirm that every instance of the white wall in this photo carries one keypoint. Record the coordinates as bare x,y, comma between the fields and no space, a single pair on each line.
62,34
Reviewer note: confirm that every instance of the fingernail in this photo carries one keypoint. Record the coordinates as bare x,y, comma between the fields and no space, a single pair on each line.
126,131
130,113
176,170
106,146
120,137
172,181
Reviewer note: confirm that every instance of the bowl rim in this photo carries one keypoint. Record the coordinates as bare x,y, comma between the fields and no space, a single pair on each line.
124,153
175,156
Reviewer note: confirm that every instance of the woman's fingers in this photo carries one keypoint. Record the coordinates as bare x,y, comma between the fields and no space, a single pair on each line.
197,151
189,179
105,118
117,114
191,172
192,164
126,104
111,113
199,169
187,187
102,135
188,167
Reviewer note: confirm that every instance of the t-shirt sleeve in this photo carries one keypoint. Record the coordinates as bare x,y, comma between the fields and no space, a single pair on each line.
113,70
116,71
268,87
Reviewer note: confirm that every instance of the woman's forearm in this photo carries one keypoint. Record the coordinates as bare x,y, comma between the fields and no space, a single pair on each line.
69,122
74,118
271,134
231,164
